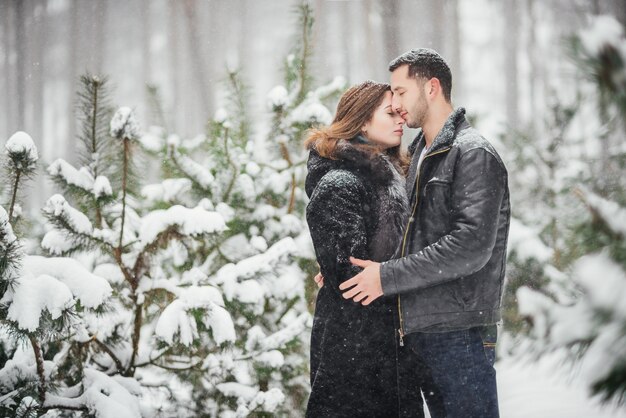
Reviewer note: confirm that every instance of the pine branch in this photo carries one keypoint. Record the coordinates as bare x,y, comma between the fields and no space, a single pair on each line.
136,334
306,23
234,167
14,193
124,178
292,196
156,103
107,350
40,369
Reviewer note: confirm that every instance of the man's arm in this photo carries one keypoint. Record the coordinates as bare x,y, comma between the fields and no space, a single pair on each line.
477,193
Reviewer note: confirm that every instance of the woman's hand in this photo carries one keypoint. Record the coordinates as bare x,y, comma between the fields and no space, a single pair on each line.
319,280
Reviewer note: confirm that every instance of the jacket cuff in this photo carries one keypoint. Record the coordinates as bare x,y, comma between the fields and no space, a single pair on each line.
387,279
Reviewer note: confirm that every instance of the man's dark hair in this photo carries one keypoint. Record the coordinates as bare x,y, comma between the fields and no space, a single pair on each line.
426,63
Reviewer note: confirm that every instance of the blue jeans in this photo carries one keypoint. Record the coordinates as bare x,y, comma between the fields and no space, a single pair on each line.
461,364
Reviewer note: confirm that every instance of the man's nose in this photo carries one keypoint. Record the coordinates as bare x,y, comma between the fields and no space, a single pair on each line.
395,103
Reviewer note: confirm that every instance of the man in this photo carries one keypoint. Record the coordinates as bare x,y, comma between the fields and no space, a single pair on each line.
449,271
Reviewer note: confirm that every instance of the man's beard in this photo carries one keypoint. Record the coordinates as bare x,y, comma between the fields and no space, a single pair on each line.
420,110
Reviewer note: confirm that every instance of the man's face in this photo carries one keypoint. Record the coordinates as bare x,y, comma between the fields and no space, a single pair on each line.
409,97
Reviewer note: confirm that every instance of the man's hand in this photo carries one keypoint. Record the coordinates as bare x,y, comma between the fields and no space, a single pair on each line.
319,280
367,287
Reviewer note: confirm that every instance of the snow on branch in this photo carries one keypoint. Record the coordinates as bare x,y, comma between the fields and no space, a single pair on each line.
196,172
59,211
52,284
35,294
188,222
124,125
104,396
20,146
609,213
177,320
169,190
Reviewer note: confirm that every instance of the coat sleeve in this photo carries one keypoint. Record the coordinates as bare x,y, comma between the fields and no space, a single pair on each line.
479,187
335,216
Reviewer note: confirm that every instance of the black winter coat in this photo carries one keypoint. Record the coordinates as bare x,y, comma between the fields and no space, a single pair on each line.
357,208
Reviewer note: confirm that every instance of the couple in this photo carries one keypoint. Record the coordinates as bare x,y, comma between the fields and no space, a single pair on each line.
412,275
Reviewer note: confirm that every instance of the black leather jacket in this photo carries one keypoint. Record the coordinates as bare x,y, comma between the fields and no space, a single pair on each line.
449,270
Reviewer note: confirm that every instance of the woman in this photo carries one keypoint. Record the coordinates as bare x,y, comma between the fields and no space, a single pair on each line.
357,208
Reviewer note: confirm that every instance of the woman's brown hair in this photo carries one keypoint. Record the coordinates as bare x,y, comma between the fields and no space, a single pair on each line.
356,107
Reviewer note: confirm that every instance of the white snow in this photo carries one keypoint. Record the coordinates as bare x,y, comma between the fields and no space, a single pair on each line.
79,178
277,98
195,171
7,230
222,326
152,142
104,397
253,169
175,320
124,125
612,213
268,401
102,187
220,115
91,290
525,242
545,389
33,295
311,111
56,242
604,282
190,222
237,390
57,206
20,142
226,211
169,190
273,358
604,30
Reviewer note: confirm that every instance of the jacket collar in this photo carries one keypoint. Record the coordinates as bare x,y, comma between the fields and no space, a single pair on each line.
446,135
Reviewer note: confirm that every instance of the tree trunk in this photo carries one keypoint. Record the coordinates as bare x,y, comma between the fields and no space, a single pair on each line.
532,59
174,64
72,76
390,19
146,67
511,45
6,10
38,68
196,52
453,48
21,60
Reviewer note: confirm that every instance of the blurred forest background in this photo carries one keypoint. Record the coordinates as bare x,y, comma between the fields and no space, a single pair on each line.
216,98
506,55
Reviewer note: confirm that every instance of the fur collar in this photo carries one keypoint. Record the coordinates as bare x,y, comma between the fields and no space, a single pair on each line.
351,156
445,136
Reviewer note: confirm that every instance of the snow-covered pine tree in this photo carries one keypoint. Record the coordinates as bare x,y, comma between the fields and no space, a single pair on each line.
262,261
181,298
585,314
546,165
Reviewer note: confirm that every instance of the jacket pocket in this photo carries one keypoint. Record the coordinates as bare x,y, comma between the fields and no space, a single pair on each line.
436,204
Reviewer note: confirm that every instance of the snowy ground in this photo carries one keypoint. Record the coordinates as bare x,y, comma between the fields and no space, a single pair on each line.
544,390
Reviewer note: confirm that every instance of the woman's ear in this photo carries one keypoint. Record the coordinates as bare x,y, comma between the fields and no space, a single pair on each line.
364,129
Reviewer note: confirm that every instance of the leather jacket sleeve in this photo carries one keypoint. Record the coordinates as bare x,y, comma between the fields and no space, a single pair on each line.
337,227
476,196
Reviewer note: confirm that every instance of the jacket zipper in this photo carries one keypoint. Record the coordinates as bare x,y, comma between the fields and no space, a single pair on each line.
406,233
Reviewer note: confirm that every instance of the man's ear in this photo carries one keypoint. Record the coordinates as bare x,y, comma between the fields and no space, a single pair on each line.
433,87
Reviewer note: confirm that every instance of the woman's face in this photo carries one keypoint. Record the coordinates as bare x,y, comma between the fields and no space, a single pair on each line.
385,127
